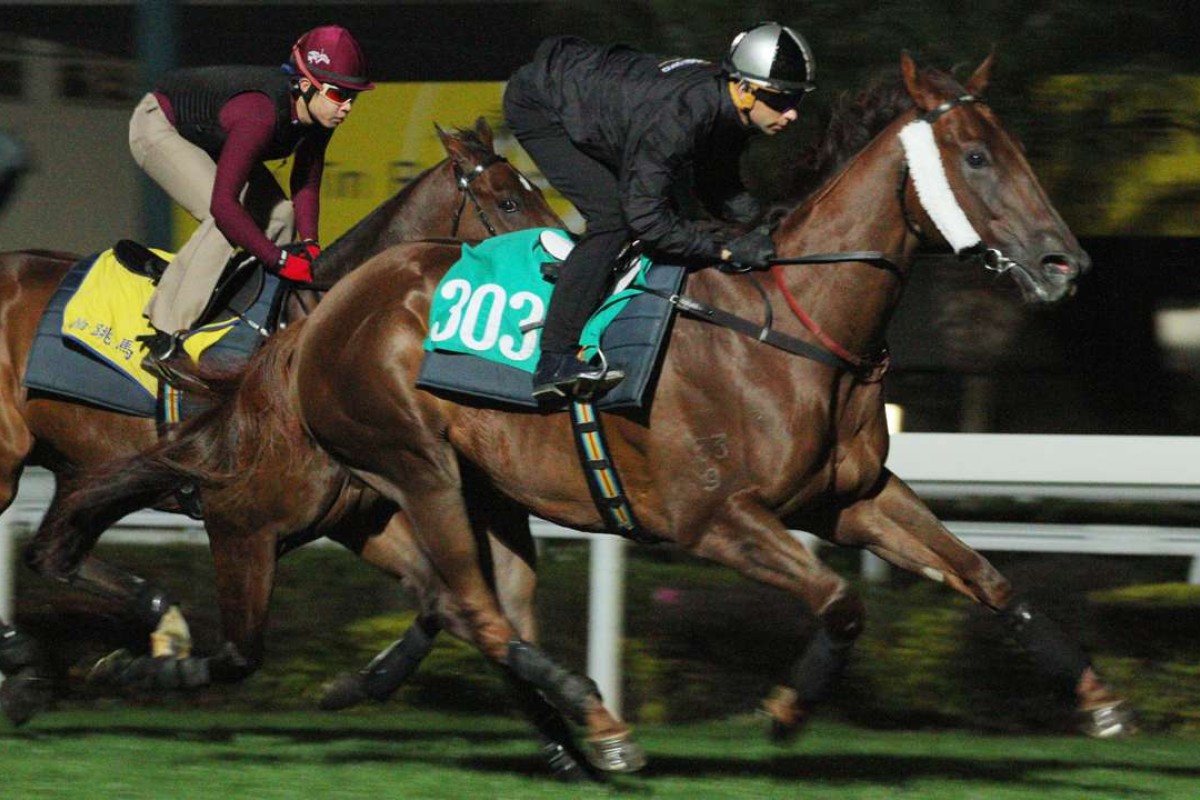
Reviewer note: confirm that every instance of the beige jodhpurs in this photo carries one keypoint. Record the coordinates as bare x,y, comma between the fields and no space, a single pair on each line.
188,174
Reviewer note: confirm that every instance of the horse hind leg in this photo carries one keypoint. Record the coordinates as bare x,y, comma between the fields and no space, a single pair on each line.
149,604
512,557
442,527
898,527
27,688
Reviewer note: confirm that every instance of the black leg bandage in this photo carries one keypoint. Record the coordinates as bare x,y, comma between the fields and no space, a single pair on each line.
566,691
17,650
821,664
389,670
1058,658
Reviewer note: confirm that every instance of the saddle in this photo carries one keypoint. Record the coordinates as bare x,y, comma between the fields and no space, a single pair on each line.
240,284
88,350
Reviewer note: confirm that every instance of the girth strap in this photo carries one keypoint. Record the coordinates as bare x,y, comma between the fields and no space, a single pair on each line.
601,474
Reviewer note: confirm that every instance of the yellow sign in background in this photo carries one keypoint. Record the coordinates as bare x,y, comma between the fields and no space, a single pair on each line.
388,140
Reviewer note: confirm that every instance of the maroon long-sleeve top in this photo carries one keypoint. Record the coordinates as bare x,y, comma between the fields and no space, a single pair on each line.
248,121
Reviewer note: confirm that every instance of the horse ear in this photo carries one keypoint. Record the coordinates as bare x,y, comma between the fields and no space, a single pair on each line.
452,144
982,75
484,132
919,88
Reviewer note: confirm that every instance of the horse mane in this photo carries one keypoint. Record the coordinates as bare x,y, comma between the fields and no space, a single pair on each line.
854,120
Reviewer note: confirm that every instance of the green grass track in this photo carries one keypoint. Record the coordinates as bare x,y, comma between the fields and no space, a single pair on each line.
124,754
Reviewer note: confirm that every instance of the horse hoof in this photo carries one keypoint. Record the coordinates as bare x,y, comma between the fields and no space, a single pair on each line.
1109,721
345,691
788,719
25,694
616,754
108,670
565,767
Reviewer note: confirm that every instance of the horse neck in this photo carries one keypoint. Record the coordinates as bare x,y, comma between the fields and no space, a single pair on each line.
858,209
424,209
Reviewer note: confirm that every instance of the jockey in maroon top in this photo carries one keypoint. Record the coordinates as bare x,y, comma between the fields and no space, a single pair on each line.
203,135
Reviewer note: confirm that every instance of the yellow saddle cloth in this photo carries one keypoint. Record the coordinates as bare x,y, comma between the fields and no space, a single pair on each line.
105,317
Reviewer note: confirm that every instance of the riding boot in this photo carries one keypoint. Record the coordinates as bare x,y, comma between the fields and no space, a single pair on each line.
563,375
167,361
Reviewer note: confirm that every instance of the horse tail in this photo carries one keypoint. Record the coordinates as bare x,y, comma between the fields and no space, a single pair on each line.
203,451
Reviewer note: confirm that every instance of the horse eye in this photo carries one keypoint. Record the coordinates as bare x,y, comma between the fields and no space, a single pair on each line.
509,206
977,159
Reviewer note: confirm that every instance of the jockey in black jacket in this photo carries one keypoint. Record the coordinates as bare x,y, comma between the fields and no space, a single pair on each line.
614,130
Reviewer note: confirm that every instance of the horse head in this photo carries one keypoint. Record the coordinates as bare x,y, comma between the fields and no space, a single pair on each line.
976,190
488,181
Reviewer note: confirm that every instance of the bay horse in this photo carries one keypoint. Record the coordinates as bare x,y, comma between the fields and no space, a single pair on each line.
743,440
472,194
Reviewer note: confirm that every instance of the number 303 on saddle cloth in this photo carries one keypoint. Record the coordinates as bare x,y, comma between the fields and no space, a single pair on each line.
486,316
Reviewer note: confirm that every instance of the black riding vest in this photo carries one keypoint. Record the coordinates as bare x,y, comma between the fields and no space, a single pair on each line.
198,95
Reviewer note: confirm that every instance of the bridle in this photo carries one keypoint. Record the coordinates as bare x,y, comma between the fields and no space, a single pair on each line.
464,181
991,258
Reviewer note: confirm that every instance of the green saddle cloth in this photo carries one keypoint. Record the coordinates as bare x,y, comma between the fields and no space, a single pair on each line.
486,321
492,302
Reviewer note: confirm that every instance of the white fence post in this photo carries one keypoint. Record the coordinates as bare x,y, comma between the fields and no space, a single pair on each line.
8,589
606,612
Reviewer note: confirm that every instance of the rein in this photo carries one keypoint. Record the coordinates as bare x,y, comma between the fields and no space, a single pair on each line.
464,180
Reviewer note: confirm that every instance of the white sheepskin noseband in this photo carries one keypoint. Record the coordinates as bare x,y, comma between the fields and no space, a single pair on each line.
933,190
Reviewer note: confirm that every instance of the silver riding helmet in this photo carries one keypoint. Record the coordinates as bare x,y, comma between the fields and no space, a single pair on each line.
774,57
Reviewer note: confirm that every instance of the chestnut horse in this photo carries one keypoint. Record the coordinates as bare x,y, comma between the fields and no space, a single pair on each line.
782,441
472,194
827,476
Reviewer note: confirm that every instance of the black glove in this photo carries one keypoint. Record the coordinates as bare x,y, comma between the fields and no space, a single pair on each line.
753,250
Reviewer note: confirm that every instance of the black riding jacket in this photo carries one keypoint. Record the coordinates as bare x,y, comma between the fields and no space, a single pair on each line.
650,121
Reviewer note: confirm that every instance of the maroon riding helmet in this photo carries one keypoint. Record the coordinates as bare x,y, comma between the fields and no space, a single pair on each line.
329,54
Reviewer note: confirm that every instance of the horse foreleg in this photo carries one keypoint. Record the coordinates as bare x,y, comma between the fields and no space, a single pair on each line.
245,565
149,604
245,575
897,526
749,538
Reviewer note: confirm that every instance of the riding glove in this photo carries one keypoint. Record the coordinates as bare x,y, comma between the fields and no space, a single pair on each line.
295,263
753,250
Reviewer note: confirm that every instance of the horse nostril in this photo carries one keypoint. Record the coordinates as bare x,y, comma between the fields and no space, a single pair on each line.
1060,265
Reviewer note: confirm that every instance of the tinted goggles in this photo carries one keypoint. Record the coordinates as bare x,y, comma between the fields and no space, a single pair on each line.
337,94
779,102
